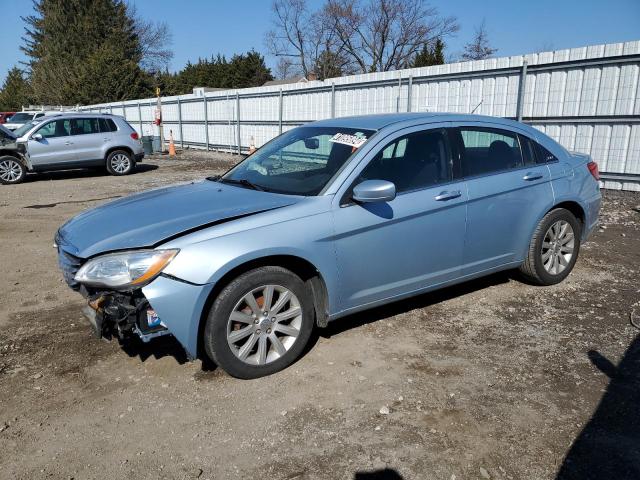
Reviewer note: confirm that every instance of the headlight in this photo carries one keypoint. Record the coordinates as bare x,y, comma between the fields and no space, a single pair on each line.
135,268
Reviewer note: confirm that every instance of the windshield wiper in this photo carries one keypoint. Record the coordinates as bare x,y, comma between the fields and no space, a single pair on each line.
243,182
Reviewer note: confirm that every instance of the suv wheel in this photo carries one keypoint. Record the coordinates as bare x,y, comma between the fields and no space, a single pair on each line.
554,248
11,170
120,162
259,323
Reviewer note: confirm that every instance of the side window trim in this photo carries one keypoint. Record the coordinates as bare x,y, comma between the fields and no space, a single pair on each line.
345,197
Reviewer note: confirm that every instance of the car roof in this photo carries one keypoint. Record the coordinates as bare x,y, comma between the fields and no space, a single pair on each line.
76,114
379,121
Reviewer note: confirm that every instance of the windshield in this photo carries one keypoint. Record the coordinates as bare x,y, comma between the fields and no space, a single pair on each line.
21,117
300,161
18,132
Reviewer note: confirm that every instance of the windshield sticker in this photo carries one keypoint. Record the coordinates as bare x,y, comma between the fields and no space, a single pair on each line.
355,141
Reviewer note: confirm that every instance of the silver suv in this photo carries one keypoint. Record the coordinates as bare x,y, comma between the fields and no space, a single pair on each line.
72,140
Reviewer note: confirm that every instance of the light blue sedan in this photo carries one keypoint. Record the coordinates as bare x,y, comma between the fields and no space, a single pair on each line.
325,220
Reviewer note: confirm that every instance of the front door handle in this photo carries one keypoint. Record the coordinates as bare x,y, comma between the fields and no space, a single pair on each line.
532,176
68,143
447,196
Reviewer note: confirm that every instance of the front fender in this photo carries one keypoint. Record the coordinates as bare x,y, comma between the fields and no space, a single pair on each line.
309,239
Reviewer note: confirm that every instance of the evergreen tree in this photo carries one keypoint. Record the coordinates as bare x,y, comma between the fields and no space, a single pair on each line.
15,92
430,55
242,71
248,70
83,52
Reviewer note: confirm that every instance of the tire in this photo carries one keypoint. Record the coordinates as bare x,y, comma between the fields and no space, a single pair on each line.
291,332
12,170
120,162
548,261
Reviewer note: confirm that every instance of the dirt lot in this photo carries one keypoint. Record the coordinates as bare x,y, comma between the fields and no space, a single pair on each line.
490,379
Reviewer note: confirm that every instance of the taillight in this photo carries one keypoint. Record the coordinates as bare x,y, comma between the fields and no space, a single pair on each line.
135,136
593,168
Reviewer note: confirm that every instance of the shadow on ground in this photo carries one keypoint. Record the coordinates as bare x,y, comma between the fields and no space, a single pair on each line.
386,474
169,346
413,303
609,445
82,173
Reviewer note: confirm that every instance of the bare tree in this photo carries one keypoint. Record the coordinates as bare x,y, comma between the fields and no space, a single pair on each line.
285,68
479,48
382,35
350,36
290,37
155,40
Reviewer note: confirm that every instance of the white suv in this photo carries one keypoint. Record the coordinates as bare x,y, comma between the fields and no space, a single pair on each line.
19,119
73,140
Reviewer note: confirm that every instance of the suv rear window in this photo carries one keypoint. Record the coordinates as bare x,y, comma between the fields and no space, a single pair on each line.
107,125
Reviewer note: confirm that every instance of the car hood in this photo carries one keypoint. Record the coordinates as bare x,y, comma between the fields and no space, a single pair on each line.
153,217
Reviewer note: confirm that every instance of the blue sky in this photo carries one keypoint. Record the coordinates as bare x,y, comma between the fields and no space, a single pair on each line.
204,27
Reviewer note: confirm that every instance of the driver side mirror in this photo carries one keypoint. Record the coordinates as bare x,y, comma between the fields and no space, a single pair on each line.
371,191
37,137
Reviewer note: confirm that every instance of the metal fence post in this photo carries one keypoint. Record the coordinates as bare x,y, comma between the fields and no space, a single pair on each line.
206,121
409,85
180,123
521,88
280,114
333,100
398,97
124,110
238,119
140,118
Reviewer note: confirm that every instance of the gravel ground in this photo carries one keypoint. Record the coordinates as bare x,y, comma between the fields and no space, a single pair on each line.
490,379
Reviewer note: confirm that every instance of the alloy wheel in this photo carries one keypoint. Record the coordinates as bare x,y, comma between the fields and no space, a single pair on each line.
558,247
10,170
120,163
264,324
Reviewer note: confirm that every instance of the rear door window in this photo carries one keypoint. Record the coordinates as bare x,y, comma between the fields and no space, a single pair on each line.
528,150
488,150
84,126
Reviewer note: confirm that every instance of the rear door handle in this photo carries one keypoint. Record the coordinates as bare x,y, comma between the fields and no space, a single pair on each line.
532,176
447,196
68,143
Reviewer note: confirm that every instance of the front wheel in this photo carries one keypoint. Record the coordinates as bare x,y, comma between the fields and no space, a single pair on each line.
554,248
120,162
12,170
260,323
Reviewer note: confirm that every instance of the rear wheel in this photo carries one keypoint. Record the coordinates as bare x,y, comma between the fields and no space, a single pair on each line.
260,323
554,248
12,170
120,162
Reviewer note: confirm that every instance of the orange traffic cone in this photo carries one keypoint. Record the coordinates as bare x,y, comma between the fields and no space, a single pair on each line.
252,146
172,147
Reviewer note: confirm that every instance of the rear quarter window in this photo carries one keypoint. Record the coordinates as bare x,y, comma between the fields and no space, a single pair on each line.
544,155
107,125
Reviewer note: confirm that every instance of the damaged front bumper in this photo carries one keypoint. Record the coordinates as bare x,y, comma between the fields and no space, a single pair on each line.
166,306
